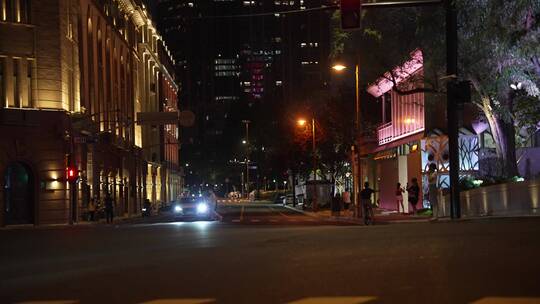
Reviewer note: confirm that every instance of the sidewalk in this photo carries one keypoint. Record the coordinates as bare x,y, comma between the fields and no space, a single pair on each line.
381,216
82,223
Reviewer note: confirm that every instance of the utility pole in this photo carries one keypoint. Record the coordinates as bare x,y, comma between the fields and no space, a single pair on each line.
246,122
315,203
357,174
451,106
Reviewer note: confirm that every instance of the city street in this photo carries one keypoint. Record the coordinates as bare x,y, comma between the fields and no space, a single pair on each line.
267,214
237,262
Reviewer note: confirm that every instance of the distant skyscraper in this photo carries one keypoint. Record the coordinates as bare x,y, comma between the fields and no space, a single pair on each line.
233,68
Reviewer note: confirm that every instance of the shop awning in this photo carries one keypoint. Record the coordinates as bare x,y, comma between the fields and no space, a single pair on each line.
399,142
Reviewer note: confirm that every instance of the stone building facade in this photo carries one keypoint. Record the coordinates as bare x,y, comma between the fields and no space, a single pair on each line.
73,75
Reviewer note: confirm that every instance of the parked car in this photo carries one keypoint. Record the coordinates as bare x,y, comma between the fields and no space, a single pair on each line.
280,199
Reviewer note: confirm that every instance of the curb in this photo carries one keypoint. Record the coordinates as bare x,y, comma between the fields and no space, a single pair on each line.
100,223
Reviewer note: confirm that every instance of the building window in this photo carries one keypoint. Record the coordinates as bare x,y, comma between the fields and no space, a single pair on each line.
23,13
387,108
69,33
17,11
16,83
2,82
29,83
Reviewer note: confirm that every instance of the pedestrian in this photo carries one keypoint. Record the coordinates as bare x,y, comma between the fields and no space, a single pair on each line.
92,210
413,193
109,208
365,196
212,198
336,205
432,183
399,198
346,199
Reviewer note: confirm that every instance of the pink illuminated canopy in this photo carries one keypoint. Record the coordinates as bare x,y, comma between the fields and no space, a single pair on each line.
385,83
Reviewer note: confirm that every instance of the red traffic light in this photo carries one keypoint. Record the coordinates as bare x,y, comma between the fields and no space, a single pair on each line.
350,14
72,174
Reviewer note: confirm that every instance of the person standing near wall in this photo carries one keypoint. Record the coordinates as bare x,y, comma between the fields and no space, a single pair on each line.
346,199
413,192
432,183
109,208
92,210
399,198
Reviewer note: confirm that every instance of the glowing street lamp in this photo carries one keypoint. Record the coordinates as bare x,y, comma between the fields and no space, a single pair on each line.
354,158
301,123
339,67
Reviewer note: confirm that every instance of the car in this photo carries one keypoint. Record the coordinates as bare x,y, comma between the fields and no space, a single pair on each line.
280,199
192,207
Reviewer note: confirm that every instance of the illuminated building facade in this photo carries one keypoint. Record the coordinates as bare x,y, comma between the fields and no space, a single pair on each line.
73,76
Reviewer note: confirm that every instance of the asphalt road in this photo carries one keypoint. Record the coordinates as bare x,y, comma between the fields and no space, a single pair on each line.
268,214
236,262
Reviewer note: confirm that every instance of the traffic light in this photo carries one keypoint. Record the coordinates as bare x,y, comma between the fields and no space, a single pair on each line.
72,174
350,14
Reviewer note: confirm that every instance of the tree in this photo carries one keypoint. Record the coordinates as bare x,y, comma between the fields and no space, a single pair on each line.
499,46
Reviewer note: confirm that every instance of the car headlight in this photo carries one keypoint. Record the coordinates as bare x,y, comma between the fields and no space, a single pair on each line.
177,209
202,208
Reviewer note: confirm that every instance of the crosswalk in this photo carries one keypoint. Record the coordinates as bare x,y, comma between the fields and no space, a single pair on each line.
281,220
310,300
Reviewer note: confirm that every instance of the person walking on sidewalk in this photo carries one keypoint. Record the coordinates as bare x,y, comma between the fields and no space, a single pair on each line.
92,210
109,208
432,182
365,198
399,198
413,193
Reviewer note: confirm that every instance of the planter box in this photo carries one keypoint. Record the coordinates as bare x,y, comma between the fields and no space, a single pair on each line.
510,199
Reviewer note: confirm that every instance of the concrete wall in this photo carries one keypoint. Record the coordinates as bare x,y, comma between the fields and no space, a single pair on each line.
519,198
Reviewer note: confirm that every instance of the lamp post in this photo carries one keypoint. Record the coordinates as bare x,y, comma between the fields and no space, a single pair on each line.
301,123
246,122
355,159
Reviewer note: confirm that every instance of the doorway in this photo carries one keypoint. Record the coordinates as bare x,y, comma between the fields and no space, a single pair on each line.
18,194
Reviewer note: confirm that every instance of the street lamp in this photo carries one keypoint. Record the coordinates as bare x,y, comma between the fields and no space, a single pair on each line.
246,142
302,122
339,67
354,152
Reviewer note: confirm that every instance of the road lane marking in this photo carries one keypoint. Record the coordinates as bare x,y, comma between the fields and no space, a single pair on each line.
500,300
180,301
51,302
334,300
242,213
281,213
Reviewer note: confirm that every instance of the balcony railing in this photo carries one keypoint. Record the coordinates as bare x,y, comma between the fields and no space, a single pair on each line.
385,133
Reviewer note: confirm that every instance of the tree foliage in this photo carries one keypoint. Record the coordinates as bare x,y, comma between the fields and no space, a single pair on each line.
498,46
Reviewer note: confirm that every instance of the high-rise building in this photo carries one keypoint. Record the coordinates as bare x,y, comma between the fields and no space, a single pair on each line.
242,60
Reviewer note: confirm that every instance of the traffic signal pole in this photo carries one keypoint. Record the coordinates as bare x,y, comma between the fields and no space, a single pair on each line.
452,107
